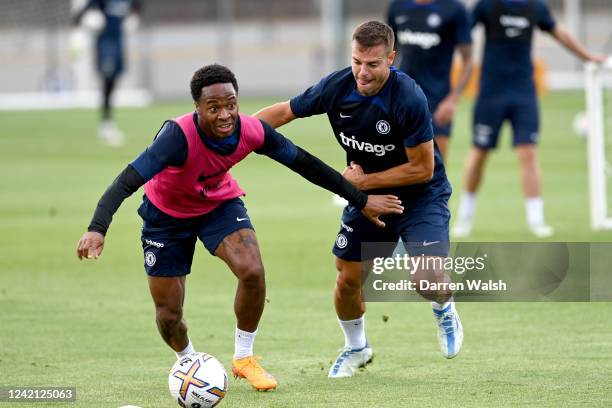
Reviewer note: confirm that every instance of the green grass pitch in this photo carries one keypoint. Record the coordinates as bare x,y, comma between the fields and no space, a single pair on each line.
91,324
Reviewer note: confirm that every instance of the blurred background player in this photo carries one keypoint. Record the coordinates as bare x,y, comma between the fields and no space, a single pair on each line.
110,57
507,92
380,117
427,33
190,194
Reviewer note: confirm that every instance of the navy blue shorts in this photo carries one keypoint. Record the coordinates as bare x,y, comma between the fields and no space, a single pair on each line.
491,112
439,130
423,230
444,131
109,57
168,243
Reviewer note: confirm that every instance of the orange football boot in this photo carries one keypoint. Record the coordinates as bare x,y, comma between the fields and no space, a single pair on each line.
250,369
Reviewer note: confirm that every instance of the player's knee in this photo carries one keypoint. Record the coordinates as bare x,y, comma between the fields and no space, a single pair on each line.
347,283
251,275
168,317
478,157
527,155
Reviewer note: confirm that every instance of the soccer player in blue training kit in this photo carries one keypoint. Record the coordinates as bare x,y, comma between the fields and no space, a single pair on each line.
427,33
380,117
190,194
507,92
109,58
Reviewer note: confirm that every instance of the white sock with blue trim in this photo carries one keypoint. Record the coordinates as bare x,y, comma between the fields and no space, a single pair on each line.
534,207
354,332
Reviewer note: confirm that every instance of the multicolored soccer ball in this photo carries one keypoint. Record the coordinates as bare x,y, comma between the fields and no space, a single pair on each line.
198,380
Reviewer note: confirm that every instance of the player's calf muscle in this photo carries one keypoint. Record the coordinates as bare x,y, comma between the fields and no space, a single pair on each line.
432,285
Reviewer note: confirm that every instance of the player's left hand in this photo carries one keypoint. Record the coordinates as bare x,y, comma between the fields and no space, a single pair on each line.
445,111
378,205
355,175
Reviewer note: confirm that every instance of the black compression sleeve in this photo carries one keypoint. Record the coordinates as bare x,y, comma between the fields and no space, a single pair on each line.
319,173
126,183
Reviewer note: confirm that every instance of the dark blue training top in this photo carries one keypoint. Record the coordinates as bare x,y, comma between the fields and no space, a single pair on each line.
509,24
170,148
115,11
374,130
426,37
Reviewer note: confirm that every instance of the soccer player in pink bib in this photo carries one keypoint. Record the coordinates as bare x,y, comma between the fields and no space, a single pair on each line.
190,195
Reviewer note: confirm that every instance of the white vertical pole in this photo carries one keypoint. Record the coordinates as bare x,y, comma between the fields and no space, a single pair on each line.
572,10
225,50
333,32
596,146
82,59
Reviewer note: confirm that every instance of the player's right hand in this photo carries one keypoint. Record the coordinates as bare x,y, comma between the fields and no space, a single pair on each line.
445,111
378,205
90,245
598,58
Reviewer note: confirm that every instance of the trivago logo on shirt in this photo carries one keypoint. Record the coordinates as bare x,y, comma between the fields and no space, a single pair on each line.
378,149
423,40
514,21
514,25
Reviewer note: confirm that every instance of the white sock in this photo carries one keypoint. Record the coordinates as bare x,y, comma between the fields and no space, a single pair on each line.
243,345
187,350
354,332
534,206
442,306
467,206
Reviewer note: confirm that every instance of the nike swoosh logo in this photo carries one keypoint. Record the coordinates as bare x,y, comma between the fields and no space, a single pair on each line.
401,19
344,116
241,219
425,243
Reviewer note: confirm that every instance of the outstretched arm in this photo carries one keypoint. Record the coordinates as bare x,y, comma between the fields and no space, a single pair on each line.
281,149
168,149
276,115
91,243
571,43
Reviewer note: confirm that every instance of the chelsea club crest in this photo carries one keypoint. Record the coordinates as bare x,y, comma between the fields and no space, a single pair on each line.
434,20
383,127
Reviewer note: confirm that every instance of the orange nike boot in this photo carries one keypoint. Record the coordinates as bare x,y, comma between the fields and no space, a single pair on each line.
250,369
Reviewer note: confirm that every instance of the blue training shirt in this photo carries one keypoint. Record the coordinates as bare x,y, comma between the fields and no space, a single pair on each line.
115,11
375,130
509,24
426,35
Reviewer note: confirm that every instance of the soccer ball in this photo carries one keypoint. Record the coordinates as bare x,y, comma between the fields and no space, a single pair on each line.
198,380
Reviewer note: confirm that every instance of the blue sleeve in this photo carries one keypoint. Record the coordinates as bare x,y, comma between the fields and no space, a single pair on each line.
416,119
546,22
169,148
478,13
310,102
464,27
277,146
